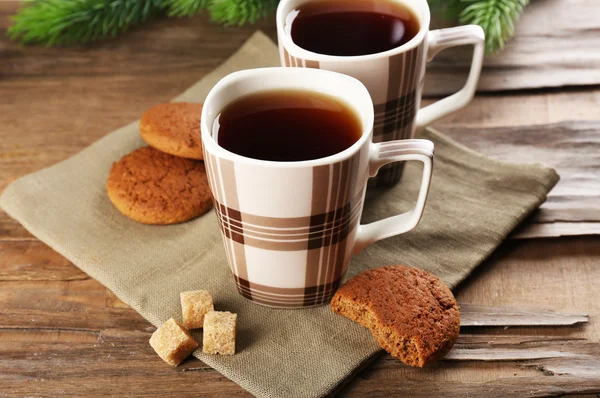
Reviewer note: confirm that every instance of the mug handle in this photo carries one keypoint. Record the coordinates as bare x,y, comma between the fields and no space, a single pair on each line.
439,40
397,151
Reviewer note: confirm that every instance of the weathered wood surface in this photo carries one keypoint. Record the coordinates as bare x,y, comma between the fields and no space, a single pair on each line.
480,315
60,334
573,148
556,44
111,363
63,334
68,73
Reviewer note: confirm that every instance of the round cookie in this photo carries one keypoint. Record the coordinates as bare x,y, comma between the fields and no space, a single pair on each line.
152,187
173,128
410,312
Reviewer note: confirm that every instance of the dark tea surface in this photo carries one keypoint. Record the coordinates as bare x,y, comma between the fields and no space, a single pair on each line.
287,125
342,29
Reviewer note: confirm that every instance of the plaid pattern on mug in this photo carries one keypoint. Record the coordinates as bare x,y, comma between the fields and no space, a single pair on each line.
319,238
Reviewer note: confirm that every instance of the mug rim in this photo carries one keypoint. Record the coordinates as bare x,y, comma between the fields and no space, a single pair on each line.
210,145
298,52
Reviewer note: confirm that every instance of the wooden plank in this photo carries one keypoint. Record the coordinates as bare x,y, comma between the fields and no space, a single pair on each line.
501,365
113,368
478,315
572,148
185,48
118,79
541,54
517,387
61,128
44,368
76,305
115,349
556,230
557,274
525,108
556,44
34,261
77,335
572,208
501,354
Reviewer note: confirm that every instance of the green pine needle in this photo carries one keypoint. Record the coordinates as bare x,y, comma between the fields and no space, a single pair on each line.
185,8
53,22
238,12
496,17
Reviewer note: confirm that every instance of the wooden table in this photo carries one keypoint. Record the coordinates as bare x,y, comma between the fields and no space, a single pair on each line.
62,333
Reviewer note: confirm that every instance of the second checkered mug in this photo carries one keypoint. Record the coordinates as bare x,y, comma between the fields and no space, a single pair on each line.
394,77
290,228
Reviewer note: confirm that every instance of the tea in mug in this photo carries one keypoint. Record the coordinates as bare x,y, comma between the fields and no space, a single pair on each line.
287,126
353,28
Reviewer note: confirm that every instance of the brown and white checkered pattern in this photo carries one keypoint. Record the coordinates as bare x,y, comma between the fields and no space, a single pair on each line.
395,83
284,252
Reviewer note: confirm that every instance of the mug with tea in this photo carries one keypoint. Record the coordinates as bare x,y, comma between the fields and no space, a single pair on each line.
385,44
288,153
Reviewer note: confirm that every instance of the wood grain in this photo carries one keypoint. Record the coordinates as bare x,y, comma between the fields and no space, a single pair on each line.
131,368
556,44
572,148
73,333
528,108
33,260
113,368
77,305
557,274
480,315
70,97
540,366
62,334
64,125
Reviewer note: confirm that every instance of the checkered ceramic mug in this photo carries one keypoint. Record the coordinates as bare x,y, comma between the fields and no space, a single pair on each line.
290,228
394,78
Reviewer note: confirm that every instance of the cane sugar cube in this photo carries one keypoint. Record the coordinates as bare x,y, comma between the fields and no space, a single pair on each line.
172,342
194,305
219,333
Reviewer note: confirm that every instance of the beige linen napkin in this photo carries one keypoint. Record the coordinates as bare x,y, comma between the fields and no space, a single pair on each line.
474,204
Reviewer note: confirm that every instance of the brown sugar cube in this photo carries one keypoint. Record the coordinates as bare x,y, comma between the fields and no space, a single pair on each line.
194,305
219,333
172,342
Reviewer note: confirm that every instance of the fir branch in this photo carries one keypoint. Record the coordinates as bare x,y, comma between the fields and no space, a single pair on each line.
238,12
66,21
185,8
54,22
496,17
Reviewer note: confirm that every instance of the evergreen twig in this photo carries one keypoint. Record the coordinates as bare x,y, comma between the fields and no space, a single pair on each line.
496,17
54,22
238,12
185,8
66,21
